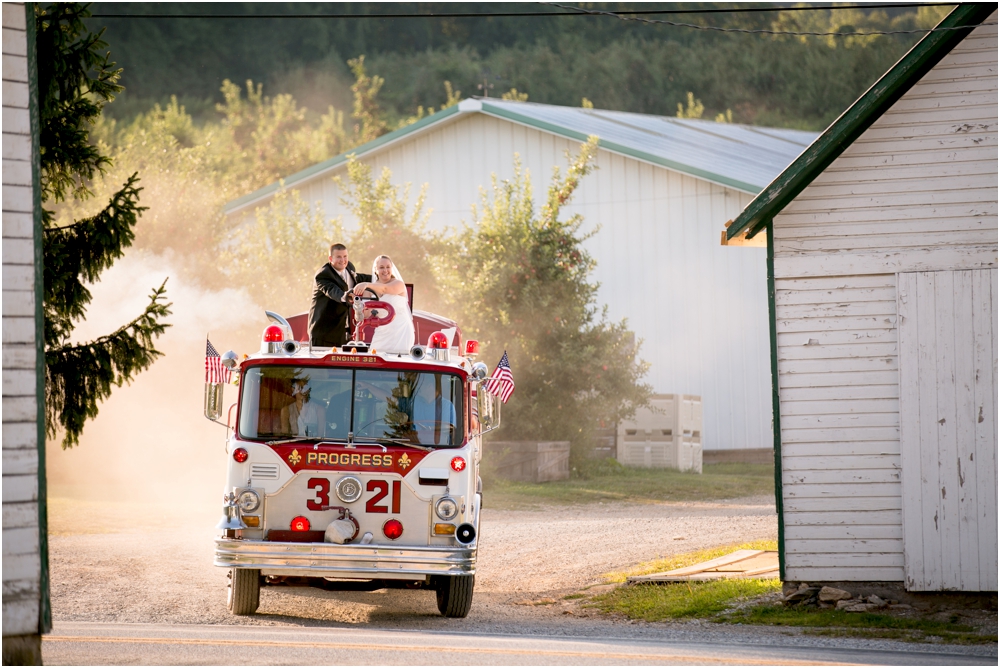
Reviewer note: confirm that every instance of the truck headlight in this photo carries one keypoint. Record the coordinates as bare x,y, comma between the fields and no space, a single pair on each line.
248,501
446,508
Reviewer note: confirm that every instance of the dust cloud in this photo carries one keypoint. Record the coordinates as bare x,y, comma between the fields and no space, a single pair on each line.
151,441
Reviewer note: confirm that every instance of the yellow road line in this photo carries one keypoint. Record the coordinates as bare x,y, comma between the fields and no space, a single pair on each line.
665,658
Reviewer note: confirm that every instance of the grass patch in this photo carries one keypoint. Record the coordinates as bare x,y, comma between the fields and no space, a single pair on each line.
733,602
663,602
860,624
609,481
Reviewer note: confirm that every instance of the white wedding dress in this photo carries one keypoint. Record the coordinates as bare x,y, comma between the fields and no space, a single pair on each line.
397,336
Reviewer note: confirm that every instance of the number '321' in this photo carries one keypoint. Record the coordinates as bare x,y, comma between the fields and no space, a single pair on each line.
375,503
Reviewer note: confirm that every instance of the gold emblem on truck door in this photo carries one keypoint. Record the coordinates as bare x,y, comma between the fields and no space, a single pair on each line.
294,458
404,461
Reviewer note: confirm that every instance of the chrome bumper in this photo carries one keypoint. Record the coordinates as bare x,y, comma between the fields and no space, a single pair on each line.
332,560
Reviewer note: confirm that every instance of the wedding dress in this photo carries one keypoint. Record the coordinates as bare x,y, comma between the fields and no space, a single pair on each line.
397,336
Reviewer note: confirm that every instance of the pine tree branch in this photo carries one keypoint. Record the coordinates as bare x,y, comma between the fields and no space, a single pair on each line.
75,80
79,377
78,253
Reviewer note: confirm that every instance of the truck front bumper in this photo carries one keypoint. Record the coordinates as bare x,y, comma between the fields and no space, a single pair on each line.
346,561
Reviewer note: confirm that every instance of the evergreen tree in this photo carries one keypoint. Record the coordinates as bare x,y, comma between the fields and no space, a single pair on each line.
75,81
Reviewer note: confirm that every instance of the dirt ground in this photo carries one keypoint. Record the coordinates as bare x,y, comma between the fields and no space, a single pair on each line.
134,562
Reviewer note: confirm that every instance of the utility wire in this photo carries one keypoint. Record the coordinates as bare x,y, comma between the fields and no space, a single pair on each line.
575,11
748,31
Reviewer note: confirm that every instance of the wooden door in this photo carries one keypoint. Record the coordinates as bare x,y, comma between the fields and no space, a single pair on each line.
948,428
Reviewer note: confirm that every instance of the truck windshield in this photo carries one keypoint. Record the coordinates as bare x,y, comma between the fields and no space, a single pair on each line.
281,402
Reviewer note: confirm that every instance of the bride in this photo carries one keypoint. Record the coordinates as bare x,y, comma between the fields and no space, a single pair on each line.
397,336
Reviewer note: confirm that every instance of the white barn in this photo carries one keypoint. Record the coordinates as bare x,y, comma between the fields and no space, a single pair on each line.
26,613
882,245
661,185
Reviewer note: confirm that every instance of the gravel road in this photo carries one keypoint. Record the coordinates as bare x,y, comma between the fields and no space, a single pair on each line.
134,563
103,571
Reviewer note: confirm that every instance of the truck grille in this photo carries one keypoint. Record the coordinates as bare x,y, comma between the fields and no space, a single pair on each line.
264,471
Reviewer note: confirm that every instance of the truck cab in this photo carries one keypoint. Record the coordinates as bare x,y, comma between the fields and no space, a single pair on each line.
350,469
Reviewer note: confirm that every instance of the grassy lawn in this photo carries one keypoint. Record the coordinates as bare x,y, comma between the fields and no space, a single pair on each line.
607,480
753,602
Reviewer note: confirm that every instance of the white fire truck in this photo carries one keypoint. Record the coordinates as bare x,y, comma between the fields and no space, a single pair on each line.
353,469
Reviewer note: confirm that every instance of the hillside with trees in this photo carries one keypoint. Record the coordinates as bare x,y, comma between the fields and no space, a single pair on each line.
776,80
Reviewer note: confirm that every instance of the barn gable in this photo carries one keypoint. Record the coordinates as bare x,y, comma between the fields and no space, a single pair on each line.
882,243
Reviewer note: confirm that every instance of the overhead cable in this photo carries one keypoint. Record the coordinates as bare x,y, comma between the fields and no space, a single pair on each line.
575,12
762,31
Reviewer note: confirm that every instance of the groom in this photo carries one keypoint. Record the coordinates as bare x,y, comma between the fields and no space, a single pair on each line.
330,305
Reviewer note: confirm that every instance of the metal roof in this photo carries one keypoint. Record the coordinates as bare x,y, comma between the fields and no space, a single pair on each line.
742,157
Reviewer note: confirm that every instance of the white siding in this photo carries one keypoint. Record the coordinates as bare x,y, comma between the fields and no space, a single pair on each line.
916,192
948,428
21,562
658,229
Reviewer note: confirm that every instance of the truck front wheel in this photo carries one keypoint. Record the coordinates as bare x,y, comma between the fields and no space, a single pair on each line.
454,594
243,591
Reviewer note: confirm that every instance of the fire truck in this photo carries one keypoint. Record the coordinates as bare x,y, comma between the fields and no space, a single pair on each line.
350,468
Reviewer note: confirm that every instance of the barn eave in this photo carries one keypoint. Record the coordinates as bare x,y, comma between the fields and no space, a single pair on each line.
917,62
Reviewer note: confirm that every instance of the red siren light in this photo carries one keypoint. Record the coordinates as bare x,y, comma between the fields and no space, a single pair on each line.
437,341
458,464
472,347
392,529
240,455
273,334
300,523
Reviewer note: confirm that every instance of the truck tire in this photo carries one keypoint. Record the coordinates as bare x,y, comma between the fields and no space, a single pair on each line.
243,591
454,594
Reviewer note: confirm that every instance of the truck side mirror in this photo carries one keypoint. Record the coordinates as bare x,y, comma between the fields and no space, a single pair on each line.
488,406
213,401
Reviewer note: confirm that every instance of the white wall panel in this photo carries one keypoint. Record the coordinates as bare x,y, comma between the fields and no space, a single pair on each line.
948,438
21,561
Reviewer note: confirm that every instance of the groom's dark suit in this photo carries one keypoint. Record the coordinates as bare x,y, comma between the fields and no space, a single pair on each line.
328,313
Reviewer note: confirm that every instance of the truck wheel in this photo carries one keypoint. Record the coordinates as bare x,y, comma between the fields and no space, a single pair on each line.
243,591
454,594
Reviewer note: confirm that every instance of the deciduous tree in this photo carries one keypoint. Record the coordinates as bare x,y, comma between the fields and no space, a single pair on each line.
520,280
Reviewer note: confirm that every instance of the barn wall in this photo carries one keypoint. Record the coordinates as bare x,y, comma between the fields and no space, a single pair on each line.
916,192
23,562
659,260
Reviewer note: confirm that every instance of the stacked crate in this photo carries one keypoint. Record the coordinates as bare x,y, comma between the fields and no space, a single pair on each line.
668,436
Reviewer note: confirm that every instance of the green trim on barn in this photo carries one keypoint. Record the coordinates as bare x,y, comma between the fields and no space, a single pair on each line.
339,159
919,60
624,150
775,399
45,603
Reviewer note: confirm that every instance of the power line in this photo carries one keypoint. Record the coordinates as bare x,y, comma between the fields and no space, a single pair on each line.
576,11
748,31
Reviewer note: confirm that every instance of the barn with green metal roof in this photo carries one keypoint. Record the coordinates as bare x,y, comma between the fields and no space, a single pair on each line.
661,185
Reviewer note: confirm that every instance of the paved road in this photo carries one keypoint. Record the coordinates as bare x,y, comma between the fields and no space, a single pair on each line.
159,644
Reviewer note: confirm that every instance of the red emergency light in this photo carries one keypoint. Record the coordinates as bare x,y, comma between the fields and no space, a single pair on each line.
437,341
392,529
240,455
472,347
300,523
273,334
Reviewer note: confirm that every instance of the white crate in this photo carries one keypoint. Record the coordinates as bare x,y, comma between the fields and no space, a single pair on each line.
669,436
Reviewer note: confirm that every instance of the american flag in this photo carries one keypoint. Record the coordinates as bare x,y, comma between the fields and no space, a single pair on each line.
214,371
502,382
